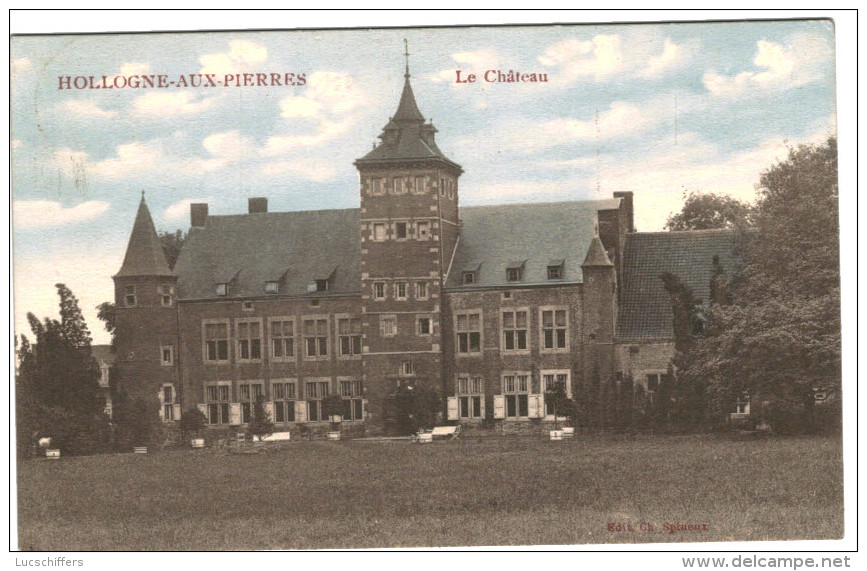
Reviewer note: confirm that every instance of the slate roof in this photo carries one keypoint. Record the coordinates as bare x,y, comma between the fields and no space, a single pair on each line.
645,310
596,255
494,237
406,135
144,254
246,250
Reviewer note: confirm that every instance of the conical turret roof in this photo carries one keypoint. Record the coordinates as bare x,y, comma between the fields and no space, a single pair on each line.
596,255
144,254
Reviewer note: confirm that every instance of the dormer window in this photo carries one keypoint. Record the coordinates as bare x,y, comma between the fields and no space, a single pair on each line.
222,289
469,278
321,285
272,287
555,270
515,271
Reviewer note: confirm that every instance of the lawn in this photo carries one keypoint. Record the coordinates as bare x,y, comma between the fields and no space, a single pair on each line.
493,491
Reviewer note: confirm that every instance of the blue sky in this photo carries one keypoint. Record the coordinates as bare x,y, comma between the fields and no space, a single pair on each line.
657,109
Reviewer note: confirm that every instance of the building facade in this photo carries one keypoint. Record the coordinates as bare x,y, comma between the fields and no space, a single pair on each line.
489,306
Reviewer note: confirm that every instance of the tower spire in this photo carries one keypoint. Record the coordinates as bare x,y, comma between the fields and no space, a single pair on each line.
406,55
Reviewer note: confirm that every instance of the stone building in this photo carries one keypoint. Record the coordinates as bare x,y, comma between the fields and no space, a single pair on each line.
488,305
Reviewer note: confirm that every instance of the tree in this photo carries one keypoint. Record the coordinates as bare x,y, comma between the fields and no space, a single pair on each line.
192,422
107,313
172,242
779,339
332,405
417,406
706,211
559,404
57,382
260,425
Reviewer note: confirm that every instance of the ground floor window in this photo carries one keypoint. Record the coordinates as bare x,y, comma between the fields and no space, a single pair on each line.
283,395
248,393
470,395
516,391
218,404
314,393
353,409
552,379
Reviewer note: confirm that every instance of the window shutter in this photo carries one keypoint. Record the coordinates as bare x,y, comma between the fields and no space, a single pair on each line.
453,408
300,411
535,406
235,413
176,410
269,410
363,409
482,399
499,406
162,411
203,408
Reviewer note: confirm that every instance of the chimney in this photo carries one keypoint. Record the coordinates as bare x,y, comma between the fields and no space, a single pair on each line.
257,205
198,214
627,206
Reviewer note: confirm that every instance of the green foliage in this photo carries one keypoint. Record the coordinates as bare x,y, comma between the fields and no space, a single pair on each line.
260,424
192,422
135,419
779,339
172,242
107,313
56,383
705,211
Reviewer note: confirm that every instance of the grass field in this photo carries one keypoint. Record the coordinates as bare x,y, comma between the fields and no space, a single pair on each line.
494,491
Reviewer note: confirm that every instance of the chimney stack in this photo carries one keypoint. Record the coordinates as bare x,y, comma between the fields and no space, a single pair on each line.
627,206
257,205
198,214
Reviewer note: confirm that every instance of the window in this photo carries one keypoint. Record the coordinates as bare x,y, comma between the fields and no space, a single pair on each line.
316,338
167,355
652,383
507,295
451,187
166,292
469,278
272,287
314,393
283,395
218,403
400,290
379,232
742,406
168,398
379,290
321,285
442,186
470,398
353,407
407,369
282,339
554,330
398,185
249,341
422,230
400,230
555,270
469,332
388,325
516,391
418,187
129,296
349,331
222,289
550,380
216,342
515,330
247,394
424,326
247,306
515,271
376,187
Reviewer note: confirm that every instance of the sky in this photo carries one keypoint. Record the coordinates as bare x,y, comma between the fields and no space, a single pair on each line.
657,109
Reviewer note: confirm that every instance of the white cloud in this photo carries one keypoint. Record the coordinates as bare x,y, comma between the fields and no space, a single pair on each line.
134,68
160,104
135,158
243,56
86,110
477,62
19,66
315,170
327,130
181,208
597,58
292,107
15,143
224,149
780,67
27,214
671,56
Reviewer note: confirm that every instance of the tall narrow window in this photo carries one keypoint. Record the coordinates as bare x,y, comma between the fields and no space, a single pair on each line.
282,339
166,292
316,338
380,233
516,391
352,403
283,395
515,330
418,187
248,393
168,398
217,397
398,185
216,342
554,329
349,331
388,325
314,392
469,332
421,290
400,232
167,355
553,380
400,290
249,341
129,298
470,397
379,290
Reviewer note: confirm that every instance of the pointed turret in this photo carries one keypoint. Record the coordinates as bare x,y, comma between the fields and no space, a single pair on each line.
596,255
144,254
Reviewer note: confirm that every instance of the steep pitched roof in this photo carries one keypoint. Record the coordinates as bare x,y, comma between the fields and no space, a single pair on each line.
645,309
494,237
247,250
144,254
406,135
596,255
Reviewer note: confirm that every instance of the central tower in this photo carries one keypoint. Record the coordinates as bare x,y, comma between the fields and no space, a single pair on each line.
409,229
